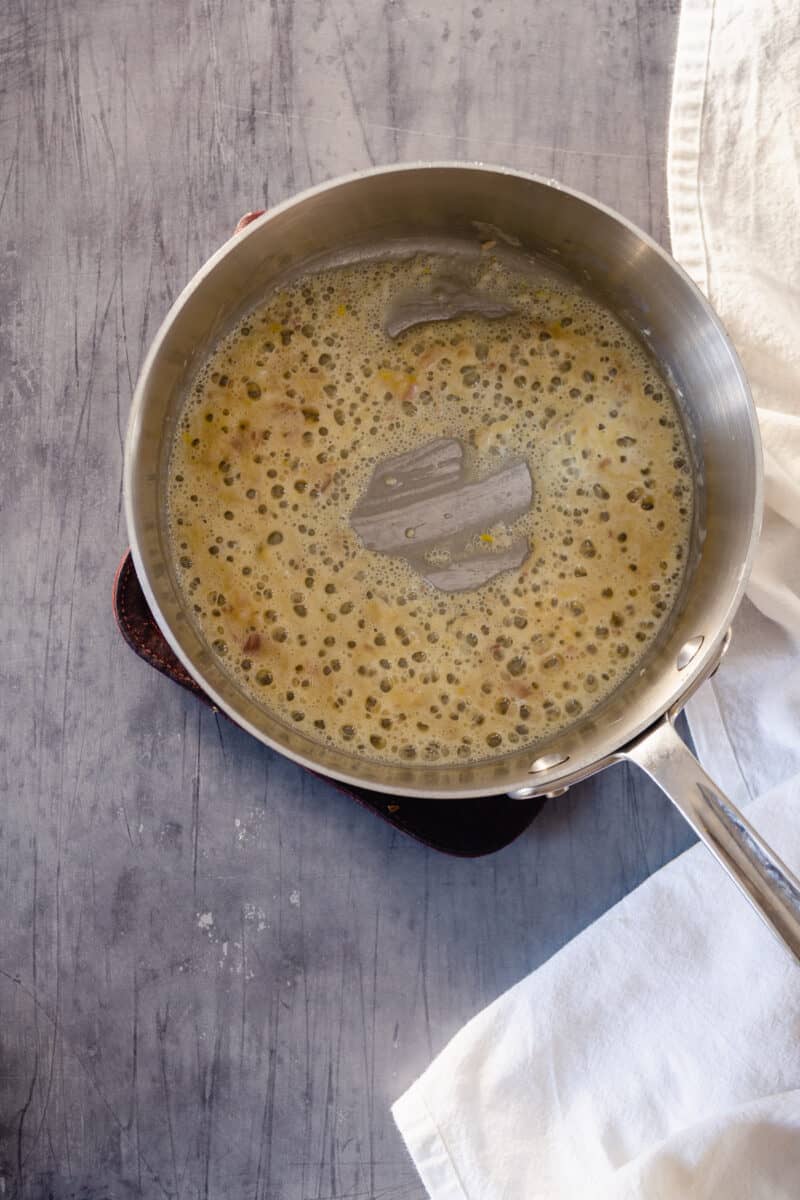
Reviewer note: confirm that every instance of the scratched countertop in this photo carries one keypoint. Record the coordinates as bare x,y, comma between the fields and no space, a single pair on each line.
217,972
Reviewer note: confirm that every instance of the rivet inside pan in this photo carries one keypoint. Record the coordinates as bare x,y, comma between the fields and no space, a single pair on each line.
688,651
547,762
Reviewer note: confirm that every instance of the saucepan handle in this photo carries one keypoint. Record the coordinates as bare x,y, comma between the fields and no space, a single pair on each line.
768,884
244,221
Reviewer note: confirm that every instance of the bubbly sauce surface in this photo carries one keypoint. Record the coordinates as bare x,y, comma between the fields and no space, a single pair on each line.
278,441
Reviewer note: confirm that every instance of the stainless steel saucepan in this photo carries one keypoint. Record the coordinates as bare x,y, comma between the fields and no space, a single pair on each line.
453,205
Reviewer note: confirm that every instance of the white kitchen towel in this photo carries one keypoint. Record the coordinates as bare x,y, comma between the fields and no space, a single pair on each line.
632,1063
734,186
658,1054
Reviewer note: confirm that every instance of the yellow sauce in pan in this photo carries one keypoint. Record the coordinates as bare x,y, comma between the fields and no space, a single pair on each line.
278,440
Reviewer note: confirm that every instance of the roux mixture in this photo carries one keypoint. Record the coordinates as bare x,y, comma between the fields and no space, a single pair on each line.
277,444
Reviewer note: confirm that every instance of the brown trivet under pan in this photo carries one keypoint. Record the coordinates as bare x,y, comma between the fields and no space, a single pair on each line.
468,828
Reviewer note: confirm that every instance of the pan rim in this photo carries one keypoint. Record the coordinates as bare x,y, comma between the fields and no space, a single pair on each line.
547,780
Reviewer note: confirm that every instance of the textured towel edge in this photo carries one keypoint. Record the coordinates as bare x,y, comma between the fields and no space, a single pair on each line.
424,1142
683,145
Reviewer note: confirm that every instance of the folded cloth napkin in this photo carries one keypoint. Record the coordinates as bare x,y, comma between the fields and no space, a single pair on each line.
658,1054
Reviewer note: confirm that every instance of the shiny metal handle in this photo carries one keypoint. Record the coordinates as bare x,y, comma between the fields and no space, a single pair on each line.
248,218
768,884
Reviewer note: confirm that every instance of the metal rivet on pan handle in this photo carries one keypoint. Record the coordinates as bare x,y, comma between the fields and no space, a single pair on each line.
545,763
522,793
527,793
